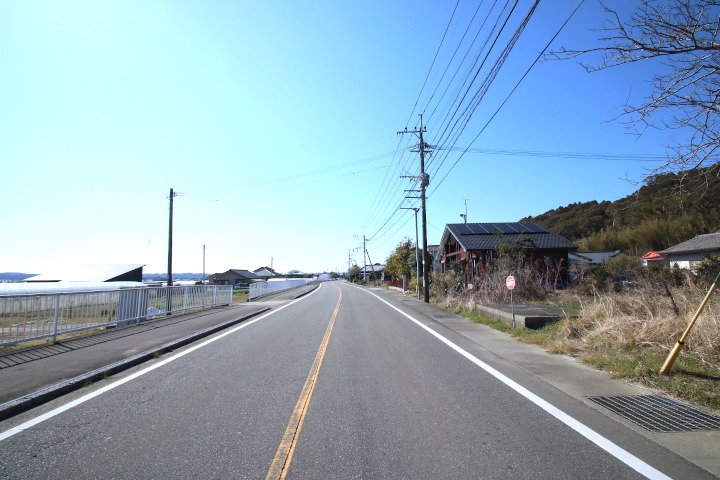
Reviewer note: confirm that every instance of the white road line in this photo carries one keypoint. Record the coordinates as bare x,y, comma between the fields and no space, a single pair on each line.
31,423
623,455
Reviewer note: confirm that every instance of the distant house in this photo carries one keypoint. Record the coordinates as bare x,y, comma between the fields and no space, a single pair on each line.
691,252
593,259
582,263
372,272
266,273
92,273
468,247
233,277
297,274
654,258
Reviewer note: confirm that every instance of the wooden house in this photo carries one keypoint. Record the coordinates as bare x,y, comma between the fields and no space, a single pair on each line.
468,247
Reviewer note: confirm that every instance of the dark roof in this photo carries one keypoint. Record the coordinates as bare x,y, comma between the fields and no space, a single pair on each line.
241,273
700,244
597,258
489,236
245,273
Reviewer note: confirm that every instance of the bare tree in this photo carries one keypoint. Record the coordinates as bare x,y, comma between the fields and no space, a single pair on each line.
682,35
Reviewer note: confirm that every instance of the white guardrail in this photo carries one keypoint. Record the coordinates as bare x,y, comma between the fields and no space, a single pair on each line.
42,315
263,288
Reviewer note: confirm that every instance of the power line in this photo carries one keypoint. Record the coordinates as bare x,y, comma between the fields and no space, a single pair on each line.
433,63
468,99
462,39
620,157
383,197
459,101
437,185
479,95
295,176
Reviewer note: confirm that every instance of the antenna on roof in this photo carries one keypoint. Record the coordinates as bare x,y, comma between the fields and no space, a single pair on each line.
465,215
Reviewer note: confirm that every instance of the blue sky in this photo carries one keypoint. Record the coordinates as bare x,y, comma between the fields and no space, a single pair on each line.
277,122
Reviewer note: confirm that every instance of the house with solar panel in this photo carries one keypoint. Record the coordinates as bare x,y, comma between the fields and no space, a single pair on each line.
468,247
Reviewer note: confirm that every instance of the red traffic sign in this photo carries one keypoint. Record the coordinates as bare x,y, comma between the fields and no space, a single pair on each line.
510,282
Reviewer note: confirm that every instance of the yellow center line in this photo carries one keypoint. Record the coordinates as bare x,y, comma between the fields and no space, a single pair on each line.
281,462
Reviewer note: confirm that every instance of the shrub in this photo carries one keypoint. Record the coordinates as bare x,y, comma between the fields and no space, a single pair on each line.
616,271
707,270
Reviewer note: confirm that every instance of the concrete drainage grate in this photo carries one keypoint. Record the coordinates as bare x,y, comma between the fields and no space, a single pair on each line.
447,316
659,414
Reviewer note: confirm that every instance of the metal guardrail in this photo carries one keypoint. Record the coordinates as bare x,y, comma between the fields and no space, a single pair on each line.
31,317
263,288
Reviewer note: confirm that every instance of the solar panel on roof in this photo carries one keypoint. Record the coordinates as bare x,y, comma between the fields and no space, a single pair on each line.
463,229
534,228
475,228
503,227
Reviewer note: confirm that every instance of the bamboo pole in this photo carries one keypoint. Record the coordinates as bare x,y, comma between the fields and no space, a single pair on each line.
678,346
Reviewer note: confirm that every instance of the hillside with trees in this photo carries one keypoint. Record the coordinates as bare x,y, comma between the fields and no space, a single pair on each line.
668,209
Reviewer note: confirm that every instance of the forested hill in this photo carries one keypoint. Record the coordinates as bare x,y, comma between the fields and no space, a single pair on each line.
667,210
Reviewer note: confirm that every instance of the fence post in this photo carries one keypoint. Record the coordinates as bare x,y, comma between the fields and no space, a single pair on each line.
139,304
55,320
2,324
214,301
185,295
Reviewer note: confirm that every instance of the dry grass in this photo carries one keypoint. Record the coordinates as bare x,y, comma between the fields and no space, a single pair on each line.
628,334
640,318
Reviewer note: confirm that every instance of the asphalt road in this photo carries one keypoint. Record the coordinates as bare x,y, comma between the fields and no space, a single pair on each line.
336,385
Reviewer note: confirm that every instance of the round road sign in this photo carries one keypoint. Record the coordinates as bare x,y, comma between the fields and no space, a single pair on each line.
510,282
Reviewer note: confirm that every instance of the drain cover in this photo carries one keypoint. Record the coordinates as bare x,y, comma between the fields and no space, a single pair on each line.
447,316
659,414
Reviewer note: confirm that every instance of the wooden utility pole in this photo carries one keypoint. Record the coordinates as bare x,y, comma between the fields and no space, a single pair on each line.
424,182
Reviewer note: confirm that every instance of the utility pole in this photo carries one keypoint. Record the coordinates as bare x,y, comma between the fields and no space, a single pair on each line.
170,236
170,233
373,269
417,255
365,256
424,182
203,280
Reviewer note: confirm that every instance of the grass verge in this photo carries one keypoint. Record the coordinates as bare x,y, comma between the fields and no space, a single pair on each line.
693,378
240,295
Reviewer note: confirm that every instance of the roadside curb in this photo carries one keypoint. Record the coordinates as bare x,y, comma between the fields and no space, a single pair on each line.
269,296
39,397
